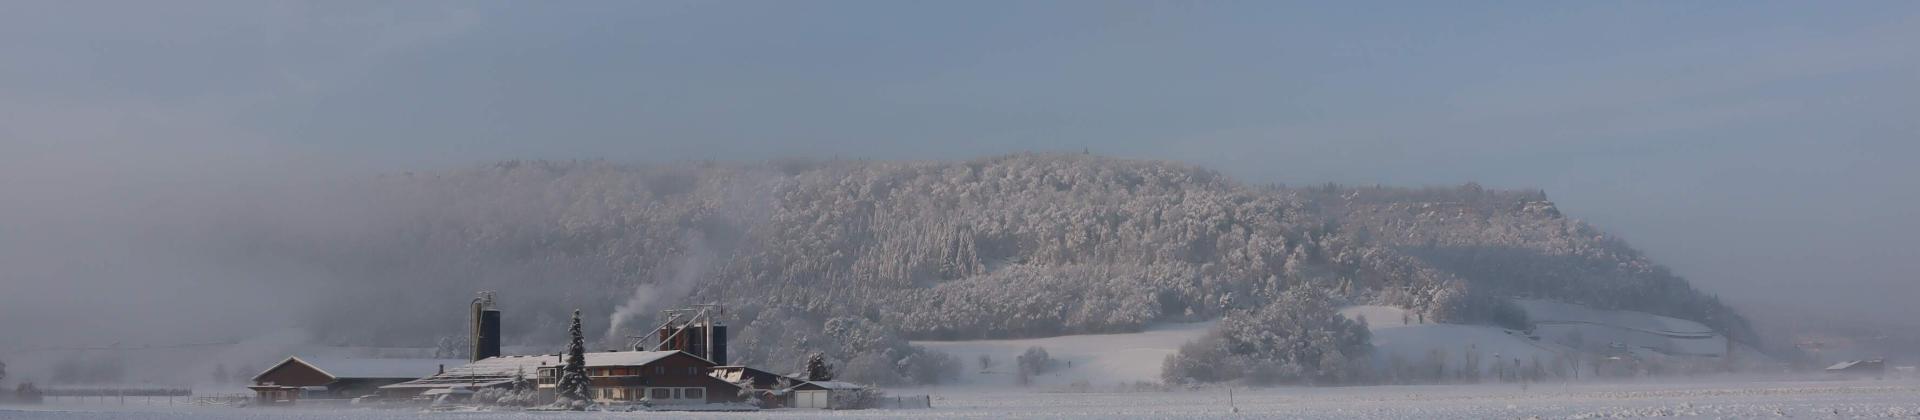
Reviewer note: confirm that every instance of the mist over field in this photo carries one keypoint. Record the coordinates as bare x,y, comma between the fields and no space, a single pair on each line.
215,185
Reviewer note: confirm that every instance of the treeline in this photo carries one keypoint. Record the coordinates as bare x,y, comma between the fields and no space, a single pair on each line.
854,257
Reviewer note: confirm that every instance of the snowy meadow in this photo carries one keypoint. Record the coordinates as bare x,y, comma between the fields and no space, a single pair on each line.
1706,398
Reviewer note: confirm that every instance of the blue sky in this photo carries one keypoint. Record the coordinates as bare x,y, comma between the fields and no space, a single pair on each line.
1760,148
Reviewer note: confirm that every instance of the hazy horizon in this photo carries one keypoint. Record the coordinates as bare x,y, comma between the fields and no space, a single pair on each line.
1761,151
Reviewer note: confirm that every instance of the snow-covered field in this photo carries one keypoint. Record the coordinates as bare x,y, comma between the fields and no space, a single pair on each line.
1098,367
1705,399
1414,343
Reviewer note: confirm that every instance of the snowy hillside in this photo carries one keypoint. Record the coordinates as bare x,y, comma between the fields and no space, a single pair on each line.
1450,346
866,255
1584,327
1564,336
1097,359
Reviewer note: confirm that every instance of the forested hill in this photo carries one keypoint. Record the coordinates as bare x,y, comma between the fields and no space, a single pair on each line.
870,253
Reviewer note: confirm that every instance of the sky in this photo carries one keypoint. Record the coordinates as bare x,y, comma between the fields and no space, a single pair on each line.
1761,149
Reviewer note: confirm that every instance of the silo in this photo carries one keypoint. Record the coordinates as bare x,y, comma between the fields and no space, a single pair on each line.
719,355
483,328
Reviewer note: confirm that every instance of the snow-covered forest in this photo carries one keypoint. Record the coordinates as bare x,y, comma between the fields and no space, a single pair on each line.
853,258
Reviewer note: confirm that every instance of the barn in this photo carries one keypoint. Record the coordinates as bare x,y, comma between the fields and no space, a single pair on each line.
652,377
299,378
766,388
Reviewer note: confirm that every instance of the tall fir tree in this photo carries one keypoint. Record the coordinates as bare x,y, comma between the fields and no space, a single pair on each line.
572,389
818,369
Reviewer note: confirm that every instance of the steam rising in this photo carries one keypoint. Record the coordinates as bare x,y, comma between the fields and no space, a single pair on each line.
647,298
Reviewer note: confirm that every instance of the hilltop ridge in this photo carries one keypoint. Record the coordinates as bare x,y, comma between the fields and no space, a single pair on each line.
856,257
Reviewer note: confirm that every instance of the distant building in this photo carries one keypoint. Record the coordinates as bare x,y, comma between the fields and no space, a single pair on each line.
296,378
1859,368
830,395
653,377
754,378
768,388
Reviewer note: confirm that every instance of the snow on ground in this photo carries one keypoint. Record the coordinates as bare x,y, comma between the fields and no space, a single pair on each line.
1104,360
1098,359
1493,346
1721,397
1378,316
1583,326
1556,312
1397,342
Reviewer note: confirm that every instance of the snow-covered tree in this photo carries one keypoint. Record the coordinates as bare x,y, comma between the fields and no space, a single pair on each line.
521,392
573,387
1035,361
451,347
1299,338
817,368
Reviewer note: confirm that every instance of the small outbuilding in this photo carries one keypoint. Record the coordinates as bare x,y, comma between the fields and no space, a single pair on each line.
764,388
1859,368
299,378
748,377
831,395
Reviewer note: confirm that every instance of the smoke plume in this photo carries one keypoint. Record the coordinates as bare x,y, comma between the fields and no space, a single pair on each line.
647,298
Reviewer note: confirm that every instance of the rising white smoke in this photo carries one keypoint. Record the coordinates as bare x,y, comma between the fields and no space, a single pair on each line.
647,298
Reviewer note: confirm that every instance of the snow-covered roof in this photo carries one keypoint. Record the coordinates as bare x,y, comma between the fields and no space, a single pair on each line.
833,385
357,368
626,358
502,369
448,390
382,368
487,372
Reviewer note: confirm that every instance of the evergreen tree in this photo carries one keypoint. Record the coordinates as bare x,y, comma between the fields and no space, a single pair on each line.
520,381
3,371
572,388
220,375
818,369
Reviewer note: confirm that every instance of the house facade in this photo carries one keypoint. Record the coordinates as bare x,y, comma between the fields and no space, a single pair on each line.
618,377
298,378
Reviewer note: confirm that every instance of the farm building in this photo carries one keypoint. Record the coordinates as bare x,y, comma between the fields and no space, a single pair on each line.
754,378
299,378
492,372
1859,368
654,377
767,387
831,395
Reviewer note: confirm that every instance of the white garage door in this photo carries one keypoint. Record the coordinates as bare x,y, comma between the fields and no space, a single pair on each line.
810,399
